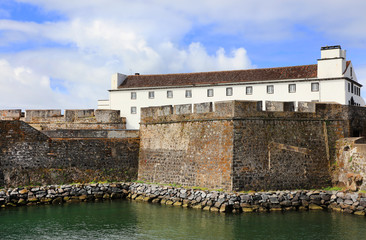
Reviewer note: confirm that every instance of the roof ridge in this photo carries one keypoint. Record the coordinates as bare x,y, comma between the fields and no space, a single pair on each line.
251,69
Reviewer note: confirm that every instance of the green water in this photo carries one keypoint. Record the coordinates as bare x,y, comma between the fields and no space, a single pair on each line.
132,220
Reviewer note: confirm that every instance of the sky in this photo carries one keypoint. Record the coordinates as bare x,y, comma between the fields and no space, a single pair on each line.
61,54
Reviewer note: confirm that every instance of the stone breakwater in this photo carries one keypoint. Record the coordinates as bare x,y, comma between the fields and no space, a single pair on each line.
215,201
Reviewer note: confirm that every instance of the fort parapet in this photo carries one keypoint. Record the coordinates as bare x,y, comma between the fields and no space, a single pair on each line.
52,119
234,145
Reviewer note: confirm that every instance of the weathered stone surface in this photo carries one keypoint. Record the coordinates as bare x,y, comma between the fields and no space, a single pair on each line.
283,144
33,158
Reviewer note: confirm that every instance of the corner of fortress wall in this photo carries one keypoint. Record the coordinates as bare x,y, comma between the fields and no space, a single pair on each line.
80,146
234,145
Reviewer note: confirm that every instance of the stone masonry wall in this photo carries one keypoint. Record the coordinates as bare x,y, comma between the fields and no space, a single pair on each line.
191,154
279,154
264,150
52,119
28,157
349,169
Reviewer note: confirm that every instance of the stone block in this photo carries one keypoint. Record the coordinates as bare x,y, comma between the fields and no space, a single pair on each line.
154,112
10,114
246,108
306,106
35,115
72,115
165,110
183,109
203,107
273,106
107,116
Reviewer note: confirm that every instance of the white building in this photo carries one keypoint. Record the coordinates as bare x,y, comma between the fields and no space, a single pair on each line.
332,79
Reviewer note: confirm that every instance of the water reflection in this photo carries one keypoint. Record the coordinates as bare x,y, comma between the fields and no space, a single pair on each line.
131,220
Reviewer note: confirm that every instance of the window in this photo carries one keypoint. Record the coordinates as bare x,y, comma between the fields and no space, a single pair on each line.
169,94
351,71
133,110
292,88
210,92
315,87
249,90
270,89
349,87
133,95
229,91
188,93
151,94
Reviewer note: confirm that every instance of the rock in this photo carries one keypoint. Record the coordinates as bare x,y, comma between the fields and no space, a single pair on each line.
197,206
21,201
347,210
302,208
57,201
246,209
82,197
315,207
275,209
169,202
360,213
10,204
363,202
273,200
33,199
206,208
23,191
178,204
214,209
348,202
285,203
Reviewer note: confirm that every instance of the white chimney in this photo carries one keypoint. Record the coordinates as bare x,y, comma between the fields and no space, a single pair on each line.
117,80
332,62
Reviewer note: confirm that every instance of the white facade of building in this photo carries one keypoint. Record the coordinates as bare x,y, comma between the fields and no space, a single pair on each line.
332,80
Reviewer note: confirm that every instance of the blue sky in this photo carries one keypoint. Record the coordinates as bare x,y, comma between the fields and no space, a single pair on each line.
61,54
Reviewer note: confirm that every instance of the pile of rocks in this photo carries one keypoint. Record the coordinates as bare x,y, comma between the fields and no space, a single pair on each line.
216,201
59,194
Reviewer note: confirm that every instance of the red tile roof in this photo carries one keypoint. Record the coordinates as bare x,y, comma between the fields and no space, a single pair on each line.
347,64
235,76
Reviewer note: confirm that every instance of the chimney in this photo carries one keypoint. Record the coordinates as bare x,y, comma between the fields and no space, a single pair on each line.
332,62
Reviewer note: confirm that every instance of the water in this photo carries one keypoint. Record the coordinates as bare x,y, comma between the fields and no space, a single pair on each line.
133,220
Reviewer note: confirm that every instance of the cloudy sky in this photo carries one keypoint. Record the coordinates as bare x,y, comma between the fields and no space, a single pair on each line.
62,53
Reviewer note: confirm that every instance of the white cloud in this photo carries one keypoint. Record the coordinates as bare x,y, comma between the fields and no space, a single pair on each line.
101,37
23,88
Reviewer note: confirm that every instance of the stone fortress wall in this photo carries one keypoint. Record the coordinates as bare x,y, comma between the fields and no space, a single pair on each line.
231,145
45,147
52,119
238,147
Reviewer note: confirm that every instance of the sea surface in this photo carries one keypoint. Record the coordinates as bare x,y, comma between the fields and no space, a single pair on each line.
122,219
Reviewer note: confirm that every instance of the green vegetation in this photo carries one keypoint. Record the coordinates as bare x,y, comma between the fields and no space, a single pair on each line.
332,189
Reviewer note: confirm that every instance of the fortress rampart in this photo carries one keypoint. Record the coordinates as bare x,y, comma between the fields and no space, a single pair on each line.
52,119
32,157
235,145
231,145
